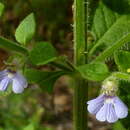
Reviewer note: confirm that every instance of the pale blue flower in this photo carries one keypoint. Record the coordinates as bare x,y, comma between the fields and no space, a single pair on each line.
17,81
107,108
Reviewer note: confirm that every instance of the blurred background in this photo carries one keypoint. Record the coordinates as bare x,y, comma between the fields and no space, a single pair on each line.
35,109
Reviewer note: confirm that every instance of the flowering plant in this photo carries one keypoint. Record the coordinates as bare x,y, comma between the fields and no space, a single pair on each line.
100,45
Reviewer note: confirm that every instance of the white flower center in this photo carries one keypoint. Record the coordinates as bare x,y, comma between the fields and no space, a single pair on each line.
10,75
109,100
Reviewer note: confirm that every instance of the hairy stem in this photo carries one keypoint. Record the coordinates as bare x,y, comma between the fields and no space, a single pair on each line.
80,58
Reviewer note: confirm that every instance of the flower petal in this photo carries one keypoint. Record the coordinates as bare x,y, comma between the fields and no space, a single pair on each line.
17,86
4,83
21,80
98,99
102,114
94,108
111,114
120,108
95,105
3,74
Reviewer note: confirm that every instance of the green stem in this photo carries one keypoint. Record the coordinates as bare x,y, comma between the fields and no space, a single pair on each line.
80,58
10,45
61,66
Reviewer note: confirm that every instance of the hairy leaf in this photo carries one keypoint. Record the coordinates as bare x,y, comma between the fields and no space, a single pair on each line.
103,19
26,29
109,27
111,49
95,71
42,53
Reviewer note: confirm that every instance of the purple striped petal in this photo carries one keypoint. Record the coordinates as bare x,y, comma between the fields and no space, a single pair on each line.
111,114
4,83
120,108
102,114
95,105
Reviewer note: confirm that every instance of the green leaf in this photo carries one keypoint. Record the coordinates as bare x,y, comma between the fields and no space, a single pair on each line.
94,71
109,28
103,19
110,50
1,8
26,29
43,78
122,59
121,76
12,46
118,126
42,54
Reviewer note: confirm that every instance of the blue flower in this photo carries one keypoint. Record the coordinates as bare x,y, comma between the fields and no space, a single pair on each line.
107,108
17,81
